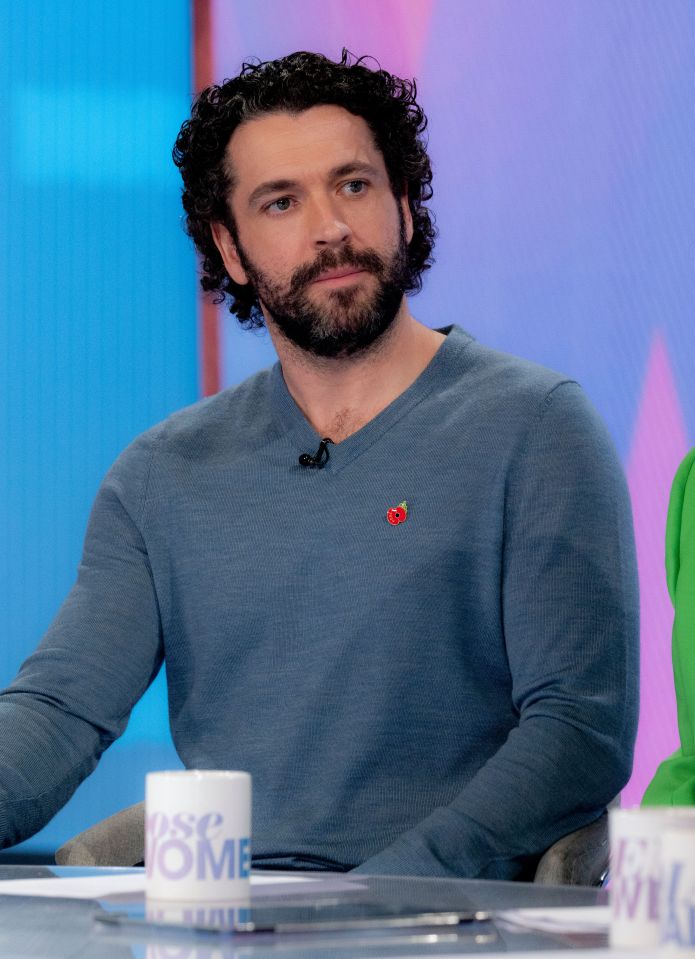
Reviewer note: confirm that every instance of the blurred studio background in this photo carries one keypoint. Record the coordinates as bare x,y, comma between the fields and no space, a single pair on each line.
563,140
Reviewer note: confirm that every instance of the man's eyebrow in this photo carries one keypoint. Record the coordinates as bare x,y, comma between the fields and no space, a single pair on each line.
280,186
347,169
271,186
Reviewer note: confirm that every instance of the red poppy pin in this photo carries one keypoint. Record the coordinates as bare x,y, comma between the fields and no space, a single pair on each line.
397,514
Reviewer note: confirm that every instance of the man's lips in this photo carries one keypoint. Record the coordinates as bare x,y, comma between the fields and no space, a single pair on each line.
339,275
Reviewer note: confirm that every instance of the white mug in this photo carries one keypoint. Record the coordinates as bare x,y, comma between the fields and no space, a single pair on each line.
198,835
636,872
677,902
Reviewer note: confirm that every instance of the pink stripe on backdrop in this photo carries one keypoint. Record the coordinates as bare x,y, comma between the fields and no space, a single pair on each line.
208,314
394,31
659,444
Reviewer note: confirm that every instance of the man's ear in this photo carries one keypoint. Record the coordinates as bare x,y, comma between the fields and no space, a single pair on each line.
407,215
228,251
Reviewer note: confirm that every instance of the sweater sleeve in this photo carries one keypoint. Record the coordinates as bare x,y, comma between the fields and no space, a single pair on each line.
72,697
570,618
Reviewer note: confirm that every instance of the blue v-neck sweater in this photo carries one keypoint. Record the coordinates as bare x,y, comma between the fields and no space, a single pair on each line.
445,695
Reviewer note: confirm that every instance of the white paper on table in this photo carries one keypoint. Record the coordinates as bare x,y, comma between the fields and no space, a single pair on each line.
571,919
548,954
119,884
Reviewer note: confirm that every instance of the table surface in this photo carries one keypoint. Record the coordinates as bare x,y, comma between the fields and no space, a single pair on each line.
59,928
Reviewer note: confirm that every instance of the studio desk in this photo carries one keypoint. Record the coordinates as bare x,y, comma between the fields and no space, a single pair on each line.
116,927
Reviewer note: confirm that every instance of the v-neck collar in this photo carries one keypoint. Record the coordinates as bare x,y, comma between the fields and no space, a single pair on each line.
291,420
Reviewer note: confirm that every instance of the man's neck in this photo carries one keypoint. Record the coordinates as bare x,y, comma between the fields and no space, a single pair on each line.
340,396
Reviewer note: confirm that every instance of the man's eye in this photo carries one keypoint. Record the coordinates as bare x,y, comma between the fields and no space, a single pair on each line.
356,186
280,205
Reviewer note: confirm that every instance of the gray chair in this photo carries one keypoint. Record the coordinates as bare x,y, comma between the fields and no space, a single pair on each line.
116,841
579,859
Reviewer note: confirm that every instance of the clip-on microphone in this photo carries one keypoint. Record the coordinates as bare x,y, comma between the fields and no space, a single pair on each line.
321,457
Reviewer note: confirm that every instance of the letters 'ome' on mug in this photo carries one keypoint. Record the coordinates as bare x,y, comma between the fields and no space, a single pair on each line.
639,865
198,835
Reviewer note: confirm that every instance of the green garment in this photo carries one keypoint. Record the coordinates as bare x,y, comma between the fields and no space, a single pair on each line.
674,782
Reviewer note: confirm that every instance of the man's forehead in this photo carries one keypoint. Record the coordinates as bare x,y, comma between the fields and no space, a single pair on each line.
283,145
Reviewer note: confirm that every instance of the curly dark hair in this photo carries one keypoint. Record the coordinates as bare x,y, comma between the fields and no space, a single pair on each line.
295,83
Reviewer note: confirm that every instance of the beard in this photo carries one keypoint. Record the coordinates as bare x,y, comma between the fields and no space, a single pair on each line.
350,321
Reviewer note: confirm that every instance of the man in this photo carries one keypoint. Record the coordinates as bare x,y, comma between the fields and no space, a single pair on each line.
392,576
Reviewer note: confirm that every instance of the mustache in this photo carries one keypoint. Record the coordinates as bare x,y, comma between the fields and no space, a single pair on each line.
368,260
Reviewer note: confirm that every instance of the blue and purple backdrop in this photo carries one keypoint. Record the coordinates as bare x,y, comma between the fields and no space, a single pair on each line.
563,143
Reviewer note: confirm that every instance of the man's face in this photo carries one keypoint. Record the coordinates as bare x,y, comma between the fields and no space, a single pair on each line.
318,231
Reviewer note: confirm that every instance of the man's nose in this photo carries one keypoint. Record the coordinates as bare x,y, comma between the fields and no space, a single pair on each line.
328,226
